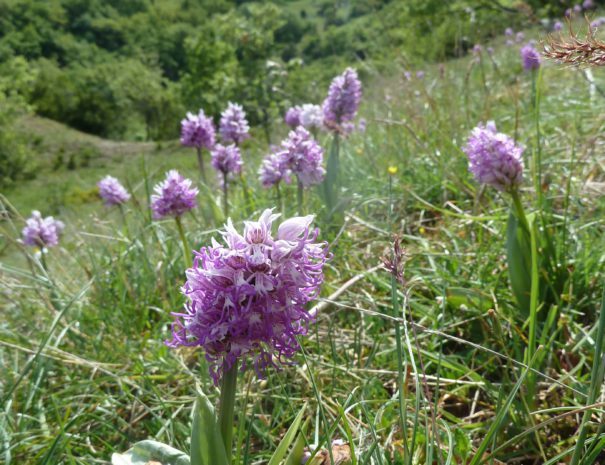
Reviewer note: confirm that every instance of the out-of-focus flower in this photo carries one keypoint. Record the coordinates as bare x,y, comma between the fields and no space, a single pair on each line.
509,43
198,131
343,99
420,74
568,13
292,117
588,4
311,116
42,232
509,32
392,170
112,192
234,127
407,75
557,26
494,158
530,57
273,170
477,49
520,37
226,159
247,299
577,8
362,125
303,156
173,197
490,51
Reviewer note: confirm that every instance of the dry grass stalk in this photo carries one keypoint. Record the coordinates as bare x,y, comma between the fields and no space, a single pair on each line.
575,51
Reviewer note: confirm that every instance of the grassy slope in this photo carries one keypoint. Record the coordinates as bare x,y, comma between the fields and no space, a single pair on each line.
102,384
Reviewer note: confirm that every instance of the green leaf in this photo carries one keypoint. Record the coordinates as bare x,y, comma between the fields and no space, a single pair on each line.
147,451
206,441
518,252
298,449
283,446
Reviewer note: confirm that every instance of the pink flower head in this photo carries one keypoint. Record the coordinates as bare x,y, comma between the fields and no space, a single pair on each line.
197,131
173,197
234,127
494,158
343,99
303,156
292,117
530,57
274,169
42,232
226,160
247,298
112,192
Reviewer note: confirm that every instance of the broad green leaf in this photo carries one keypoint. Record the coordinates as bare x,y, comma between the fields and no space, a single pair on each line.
206,442
150,451
283,446
518,252
298,449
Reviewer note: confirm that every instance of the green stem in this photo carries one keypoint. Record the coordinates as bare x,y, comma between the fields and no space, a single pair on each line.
186,248
200,161
299,197
226,408
280,200
225,196
121,207
519,210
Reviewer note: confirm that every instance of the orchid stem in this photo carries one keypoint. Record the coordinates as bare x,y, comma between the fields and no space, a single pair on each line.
226,408
186,248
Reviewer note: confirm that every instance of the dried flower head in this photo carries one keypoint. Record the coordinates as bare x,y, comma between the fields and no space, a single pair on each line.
247,298
173,197
343,99
494,158
42,232
234,127
303,156
112,192
575,51
197,131
227,159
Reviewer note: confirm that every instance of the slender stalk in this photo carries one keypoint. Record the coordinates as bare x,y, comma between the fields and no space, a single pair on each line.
332,182
299,197
200,161
225,195
519,210
186,248
226,408
280,200
596,382
123,214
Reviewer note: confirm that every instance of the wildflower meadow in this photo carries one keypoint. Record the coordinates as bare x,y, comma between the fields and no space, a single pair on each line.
388,254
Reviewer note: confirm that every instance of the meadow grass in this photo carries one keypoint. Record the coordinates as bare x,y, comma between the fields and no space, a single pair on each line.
429,370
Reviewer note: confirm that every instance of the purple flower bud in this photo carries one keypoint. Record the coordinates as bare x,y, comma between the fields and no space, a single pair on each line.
42,232
226,160
494,158
247,299
273,170
509,31
477,49
568,13
530,57
519,37
557,26
292,117
303,156
343,99
197,131
173,197
577,8
588,4
112,192
407,75
234,126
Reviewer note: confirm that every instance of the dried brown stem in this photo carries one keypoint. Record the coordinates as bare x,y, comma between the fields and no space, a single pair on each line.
576,51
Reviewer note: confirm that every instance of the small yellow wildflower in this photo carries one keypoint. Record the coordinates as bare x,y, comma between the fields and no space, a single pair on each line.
392,170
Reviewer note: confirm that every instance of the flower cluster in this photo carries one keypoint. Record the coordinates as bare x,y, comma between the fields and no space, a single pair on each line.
311,116
234,127
494,158
343,99
112,192
173,197
247,299
197,131
303,156
226,159
273,170
530,57
42,232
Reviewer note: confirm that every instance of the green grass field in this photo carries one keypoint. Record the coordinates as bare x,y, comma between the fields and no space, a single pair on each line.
431,371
